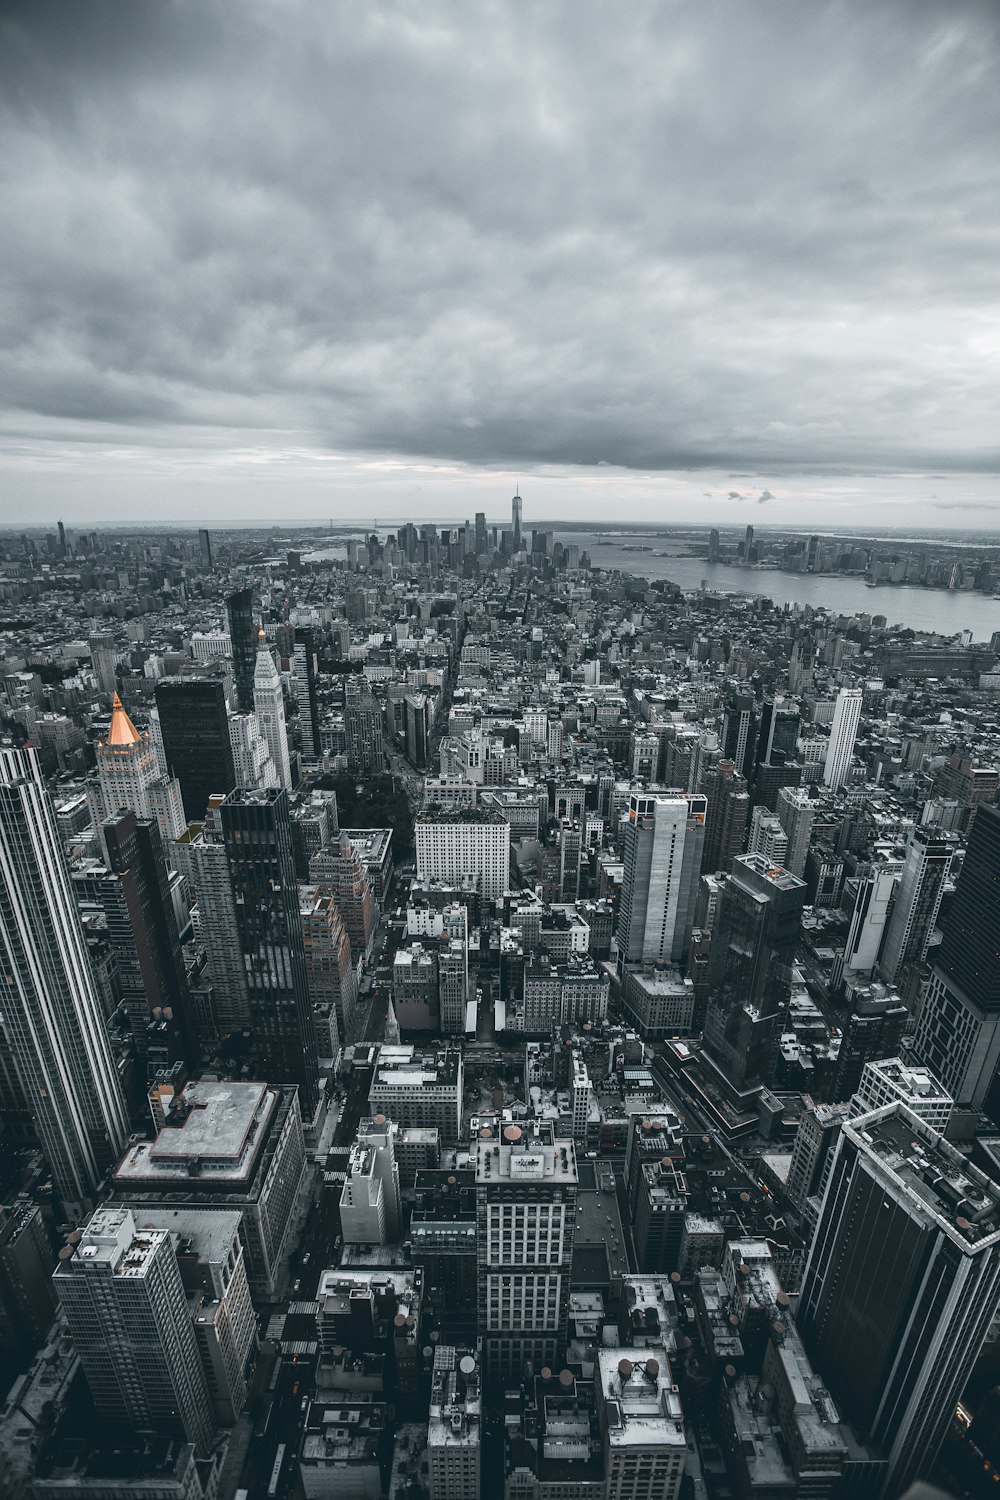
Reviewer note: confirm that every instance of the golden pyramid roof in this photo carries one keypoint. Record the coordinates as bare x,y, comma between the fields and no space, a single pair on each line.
122,731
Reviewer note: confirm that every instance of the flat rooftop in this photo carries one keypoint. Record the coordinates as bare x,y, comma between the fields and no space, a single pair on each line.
220,1130
209,1232
963,1201
642,1407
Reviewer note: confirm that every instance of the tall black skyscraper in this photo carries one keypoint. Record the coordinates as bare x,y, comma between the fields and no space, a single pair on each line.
239,609
739,731
750,970
257,833
901,1286
194,727
958,1034
779,730
304,660
143,931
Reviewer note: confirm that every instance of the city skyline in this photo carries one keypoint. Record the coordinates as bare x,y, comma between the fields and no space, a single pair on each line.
642,263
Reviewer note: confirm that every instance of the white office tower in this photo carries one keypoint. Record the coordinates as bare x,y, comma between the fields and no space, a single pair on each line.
929,853
795,813
664,837
212,1263
843,733
269,708
127,1313
892,1081
872,905
768,838
454,1429
129,774
641,1422
453,847
526,1189
901,1286
370,1205
255,770
201,856
49,1007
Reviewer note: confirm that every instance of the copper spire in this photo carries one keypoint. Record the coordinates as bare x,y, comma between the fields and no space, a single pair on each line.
122,731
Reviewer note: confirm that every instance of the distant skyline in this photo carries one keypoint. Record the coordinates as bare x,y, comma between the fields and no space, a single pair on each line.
655,264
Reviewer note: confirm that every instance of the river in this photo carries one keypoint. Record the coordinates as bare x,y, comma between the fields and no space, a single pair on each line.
944,611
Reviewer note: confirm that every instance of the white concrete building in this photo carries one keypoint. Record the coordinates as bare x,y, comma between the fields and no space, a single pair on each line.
465,844
843,733
370,1203
121,1291
892,1081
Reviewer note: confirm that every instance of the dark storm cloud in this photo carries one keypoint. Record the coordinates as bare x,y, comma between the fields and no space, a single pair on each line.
653,236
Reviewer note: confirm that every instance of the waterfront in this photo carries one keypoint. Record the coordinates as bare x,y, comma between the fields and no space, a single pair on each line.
941,610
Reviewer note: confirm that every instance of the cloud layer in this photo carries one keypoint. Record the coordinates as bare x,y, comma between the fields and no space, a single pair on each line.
646,237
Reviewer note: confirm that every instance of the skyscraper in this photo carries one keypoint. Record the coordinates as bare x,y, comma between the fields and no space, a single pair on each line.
750,971
663,844
795,813
256,829
453,969
201,856
371,1210
929,854
739,731
104,659
843,733
194,727
515,516
304,684
127,1312
872,905
419,719
768,837
725,818
341,871
269,706
50,1010
239,611
526,1189
778,730
958,1034
205,549
143,932
329,971
129,775
901,1285
480,531
363,727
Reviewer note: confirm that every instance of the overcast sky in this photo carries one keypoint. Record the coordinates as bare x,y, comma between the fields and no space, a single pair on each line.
651,261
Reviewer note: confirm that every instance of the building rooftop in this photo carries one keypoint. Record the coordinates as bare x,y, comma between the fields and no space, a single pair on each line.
963,1201
112,1239
207,1232
640,1398
214,1131
523,1155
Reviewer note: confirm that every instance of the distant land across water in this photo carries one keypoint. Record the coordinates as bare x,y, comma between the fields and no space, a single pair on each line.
944,611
